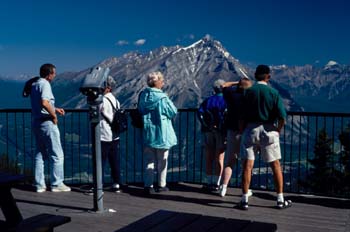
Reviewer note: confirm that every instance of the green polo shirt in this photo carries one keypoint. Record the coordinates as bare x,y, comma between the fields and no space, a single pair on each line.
263,104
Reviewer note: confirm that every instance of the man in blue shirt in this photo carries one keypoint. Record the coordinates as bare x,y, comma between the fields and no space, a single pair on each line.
47,135
211,114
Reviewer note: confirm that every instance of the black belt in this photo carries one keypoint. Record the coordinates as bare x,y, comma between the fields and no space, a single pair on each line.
41,120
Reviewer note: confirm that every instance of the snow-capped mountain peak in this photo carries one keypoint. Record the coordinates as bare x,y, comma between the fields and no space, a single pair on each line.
193,45
206,42
279,67
189,72
331,64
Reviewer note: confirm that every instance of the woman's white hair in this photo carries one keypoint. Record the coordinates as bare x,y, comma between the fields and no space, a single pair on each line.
153,77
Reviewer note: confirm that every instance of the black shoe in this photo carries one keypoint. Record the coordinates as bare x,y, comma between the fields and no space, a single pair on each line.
149,190
243,205
115,188
284,205
214,188
163,189
89,191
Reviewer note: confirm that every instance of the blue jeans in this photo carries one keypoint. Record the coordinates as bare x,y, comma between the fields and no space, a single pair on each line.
110,151
48,145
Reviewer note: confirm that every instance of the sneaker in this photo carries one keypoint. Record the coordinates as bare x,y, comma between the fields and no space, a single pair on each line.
243,205
163,189
115,188
60,188
89,191
223,191
284,205
40,189
149,190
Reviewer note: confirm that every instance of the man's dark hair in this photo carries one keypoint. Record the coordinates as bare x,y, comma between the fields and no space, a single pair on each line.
260,72
46,69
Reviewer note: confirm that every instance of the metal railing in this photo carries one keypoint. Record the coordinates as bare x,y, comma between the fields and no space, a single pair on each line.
186,160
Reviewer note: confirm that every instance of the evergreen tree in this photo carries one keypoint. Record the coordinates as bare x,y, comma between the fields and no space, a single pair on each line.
323,177
344,138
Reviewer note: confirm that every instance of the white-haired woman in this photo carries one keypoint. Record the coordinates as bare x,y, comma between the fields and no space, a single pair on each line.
159,136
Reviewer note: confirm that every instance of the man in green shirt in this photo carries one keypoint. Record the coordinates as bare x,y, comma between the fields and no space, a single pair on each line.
262,109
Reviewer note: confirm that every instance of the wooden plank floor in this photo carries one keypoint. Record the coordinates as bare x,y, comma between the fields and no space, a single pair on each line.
309,213
163,220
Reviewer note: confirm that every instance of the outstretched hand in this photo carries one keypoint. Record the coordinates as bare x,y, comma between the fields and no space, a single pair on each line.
60,111
229,84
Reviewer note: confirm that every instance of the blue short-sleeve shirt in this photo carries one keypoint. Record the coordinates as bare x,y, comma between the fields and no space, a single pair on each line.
41,90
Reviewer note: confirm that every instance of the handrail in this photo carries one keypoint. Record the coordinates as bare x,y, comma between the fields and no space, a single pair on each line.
186,160
297,113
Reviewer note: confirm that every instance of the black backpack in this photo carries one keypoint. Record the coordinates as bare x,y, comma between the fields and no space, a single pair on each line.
119,123
136,118
28,86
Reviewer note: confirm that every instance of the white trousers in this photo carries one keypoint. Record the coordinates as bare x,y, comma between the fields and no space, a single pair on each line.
152,155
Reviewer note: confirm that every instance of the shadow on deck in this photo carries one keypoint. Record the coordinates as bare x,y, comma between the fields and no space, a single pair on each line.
309,213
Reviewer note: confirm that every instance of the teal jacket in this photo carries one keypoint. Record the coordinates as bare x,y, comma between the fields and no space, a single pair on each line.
157,110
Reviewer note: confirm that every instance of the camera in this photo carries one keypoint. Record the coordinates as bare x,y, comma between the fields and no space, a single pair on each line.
94,84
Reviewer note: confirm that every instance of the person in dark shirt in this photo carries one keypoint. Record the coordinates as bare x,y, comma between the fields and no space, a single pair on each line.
262,109
233,95
211,114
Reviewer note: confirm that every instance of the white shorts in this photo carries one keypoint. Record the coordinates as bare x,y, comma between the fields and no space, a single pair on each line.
263,138
233,143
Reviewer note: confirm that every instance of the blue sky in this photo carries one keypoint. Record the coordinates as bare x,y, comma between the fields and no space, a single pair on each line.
78,34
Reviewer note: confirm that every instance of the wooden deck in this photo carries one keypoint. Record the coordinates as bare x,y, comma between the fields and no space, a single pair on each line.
309,213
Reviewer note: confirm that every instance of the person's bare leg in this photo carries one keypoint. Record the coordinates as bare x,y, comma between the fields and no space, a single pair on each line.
228,171
277,175
278,179
226,176
219,163
247,175
219,166
209,155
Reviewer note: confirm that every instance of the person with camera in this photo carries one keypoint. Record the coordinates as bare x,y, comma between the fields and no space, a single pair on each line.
46,132
157,112
233,94
109,139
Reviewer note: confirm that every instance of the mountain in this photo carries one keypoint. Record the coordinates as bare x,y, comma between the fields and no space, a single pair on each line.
317,88
189,74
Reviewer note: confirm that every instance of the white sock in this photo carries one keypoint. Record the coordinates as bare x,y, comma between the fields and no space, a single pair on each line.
219,181
280,197
245,197
224,186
